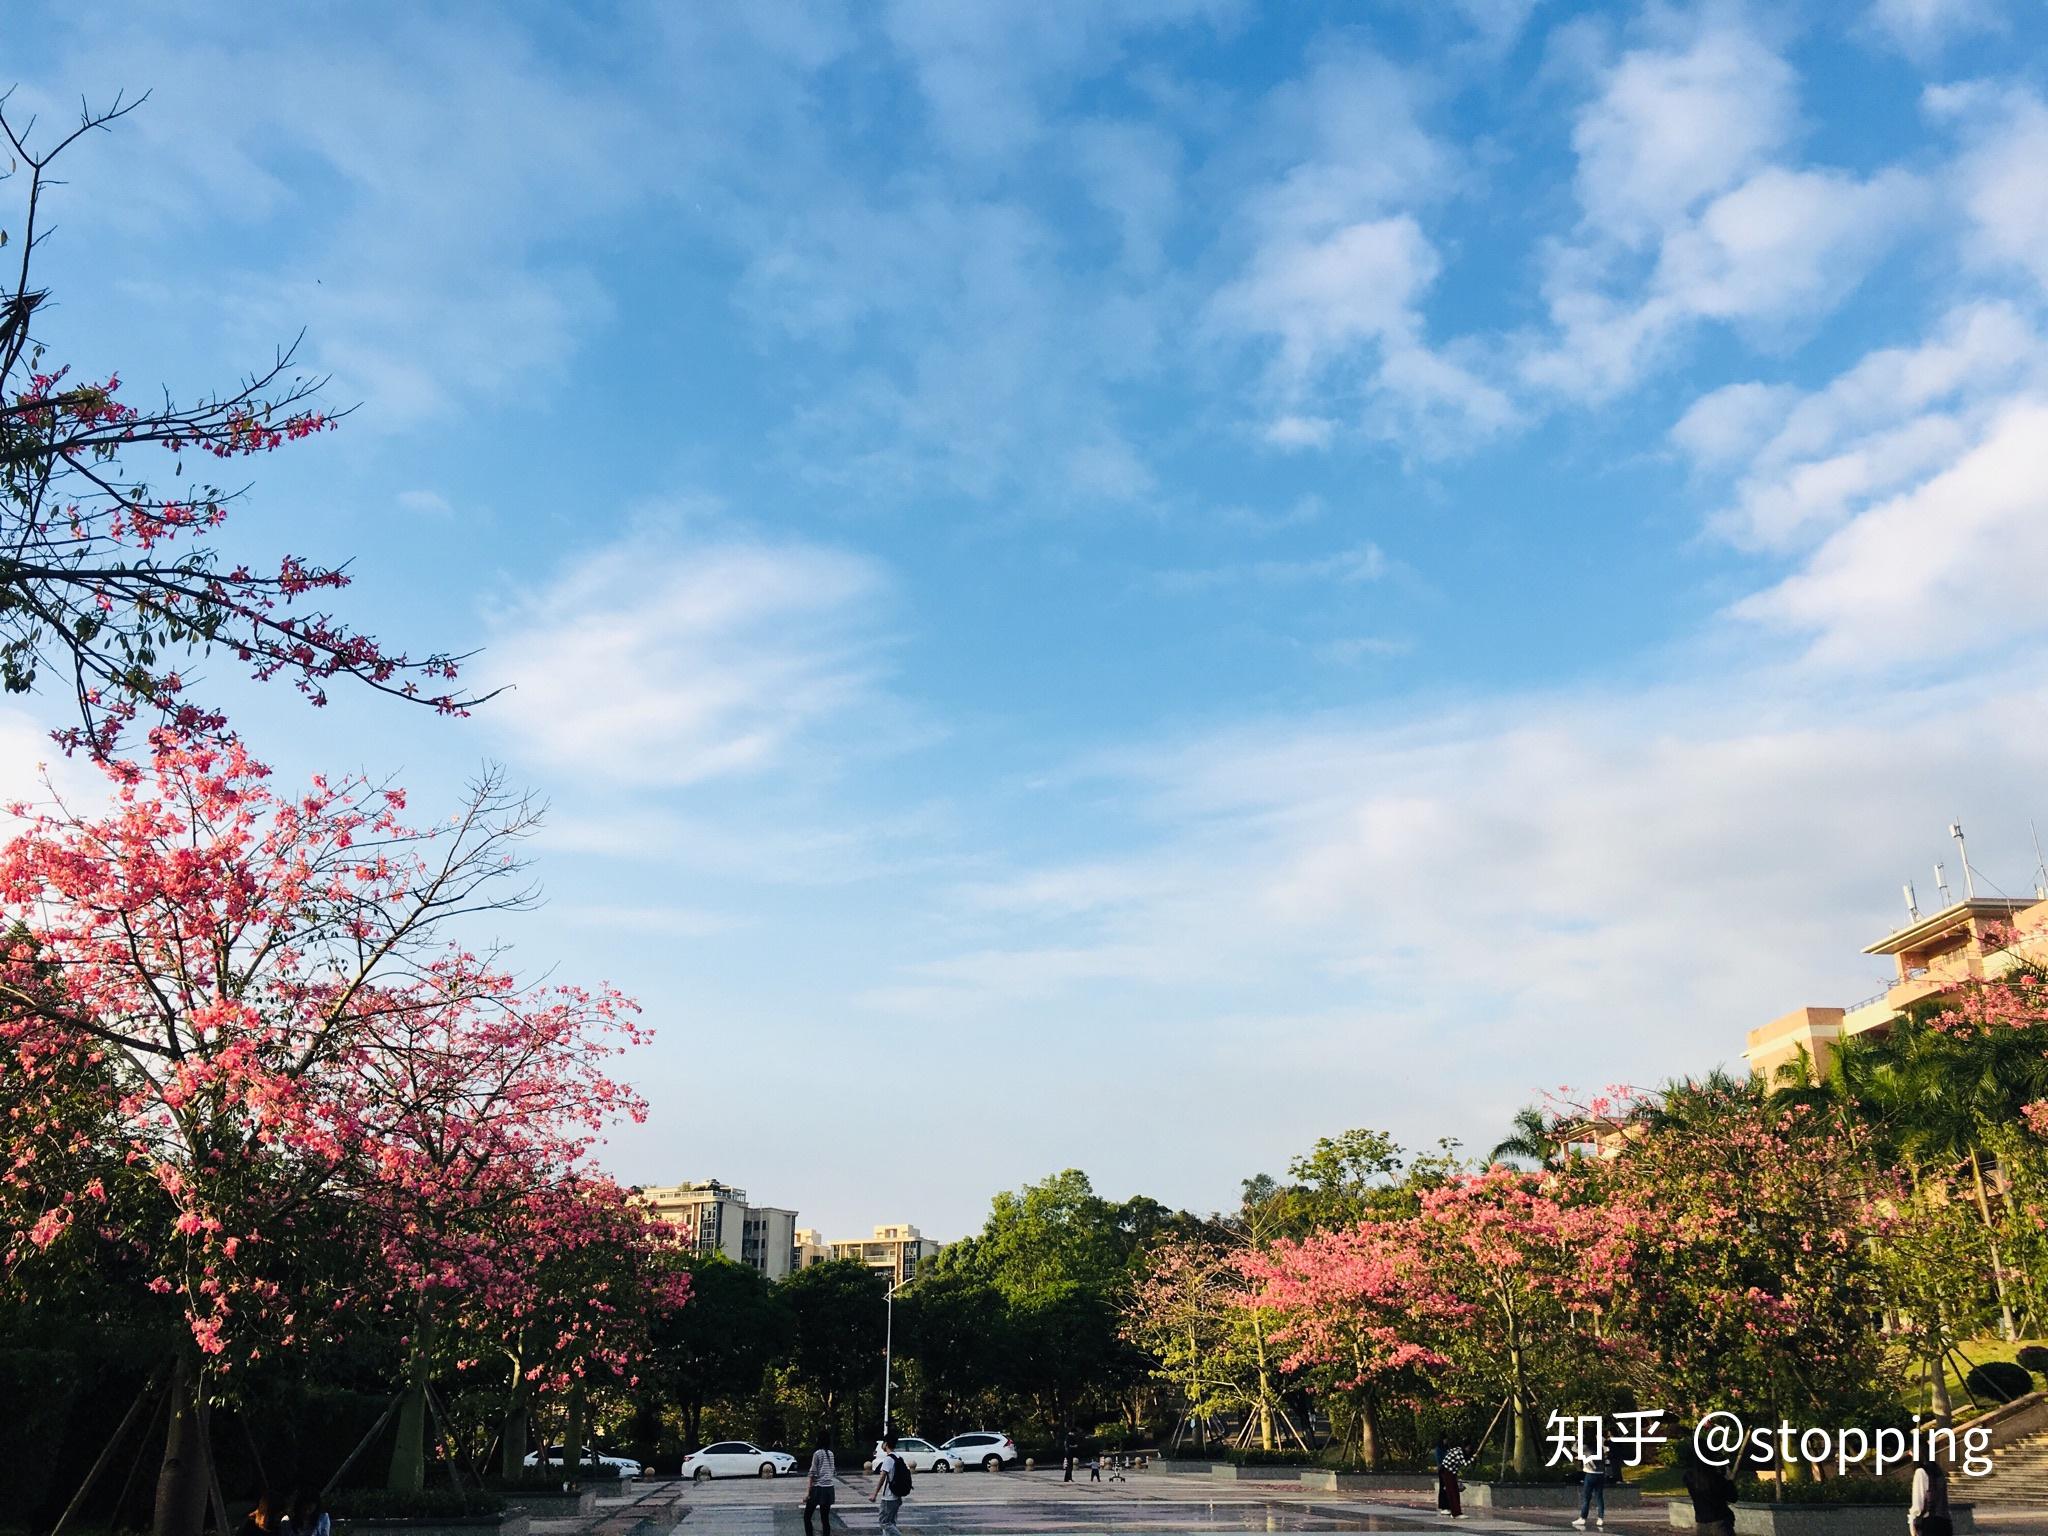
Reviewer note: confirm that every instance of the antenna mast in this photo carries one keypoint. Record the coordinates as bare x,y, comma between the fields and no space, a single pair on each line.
1955,830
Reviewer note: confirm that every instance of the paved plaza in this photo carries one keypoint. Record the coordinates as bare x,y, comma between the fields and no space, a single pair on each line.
1038,1503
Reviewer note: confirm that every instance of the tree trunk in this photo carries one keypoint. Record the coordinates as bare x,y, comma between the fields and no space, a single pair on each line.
572,1453
1265,1385
408,1470
182,1479
1369,1434
1524,1412
2006,1328
518,1429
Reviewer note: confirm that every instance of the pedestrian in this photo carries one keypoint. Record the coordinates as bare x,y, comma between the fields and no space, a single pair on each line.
1593,1484
1067,1456
892,1482
1450,1461
1713,1494
821,1484
263,1520
309,1517
1928,1514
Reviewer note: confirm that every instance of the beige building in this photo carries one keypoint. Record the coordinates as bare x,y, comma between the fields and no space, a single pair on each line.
716,1218
1978,938
898,1251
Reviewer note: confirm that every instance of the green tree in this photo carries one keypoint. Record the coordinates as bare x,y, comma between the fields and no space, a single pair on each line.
838,1313
721,1343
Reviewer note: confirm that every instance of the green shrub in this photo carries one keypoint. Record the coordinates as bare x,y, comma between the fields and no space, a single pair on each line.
1998,1381
427,1504
546,1479
2033,1357
589,1472
1836,1490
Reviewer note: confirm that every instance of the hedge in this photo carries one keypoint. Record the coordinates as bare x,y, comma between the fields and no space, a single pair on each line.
426,1504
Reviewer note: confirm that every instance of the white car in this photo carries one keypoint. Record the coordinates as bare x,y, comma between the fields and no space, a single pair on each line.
736,1458
989,1449
552,1456
922,1455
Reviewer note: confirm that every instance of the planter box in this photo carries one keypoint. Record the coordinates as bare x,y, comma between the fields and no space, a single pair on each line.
552,1503
514,1522
1230,1472
1385,1482
1766,1519
1548,1496
1186,1468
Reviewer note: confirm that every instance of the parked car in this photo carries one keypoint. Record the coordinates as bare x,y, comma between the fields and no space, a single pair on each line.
554,1456
989,1449
922,1455
736,1458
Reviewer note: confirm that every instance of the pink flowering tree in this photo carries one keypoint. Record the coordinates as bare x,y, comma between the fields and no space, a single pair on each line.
224,969
1538,1260
463,1113
113,575
1358,1308
1753,1285
599,1275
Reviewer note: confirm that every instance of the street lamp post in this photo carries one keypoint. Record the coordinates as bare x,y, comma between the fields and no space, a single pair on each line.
888,1350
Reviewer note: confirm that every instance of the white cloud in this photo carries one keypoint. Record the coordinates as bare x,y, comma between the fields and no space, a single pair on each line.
1537,891
425,237
1674,126
1999,179
1782,244
1921,28
1732,422
1324,296
667,664
1340,268
426,503
1809,462
1951,567
1360,563
990,73
1690,216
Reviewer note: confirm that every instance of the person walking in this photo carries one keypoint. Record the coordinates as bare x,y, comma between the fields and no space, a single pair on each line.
892,1483
1593,1487
1928,1514
821,1485
1713,1495
1067,1456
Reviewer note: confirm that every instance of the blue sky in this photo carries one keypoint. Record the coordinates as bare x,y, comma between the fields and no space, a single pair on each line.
1132,585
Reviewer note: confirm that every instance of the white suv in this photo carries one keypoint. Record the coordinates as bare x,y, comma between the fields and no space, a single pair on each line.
989,1449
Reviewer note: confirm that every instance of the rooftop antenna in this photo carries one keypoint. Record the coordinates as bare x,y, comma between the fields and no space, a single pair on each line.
1955,830
1941,884
1912,903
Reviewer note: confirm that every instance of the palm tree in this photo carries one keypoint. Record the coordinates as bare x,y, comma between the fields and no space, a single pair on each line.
1530,1136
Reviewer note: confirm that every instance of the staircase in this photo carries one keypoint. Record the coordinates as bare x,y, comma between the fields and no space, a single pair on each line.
2019,1475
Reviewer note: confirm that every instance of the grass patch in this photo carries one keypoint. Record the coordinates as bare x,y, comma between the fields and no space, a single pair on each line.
1918,1398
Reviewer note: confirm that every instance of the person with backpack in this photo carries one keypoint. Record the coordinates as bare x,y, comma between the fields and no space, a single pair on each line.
892,1484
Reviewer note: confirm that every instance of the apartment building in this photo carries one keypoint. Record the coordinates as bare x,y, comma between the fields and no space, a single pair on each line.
897,1250
1977,938
716,1218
